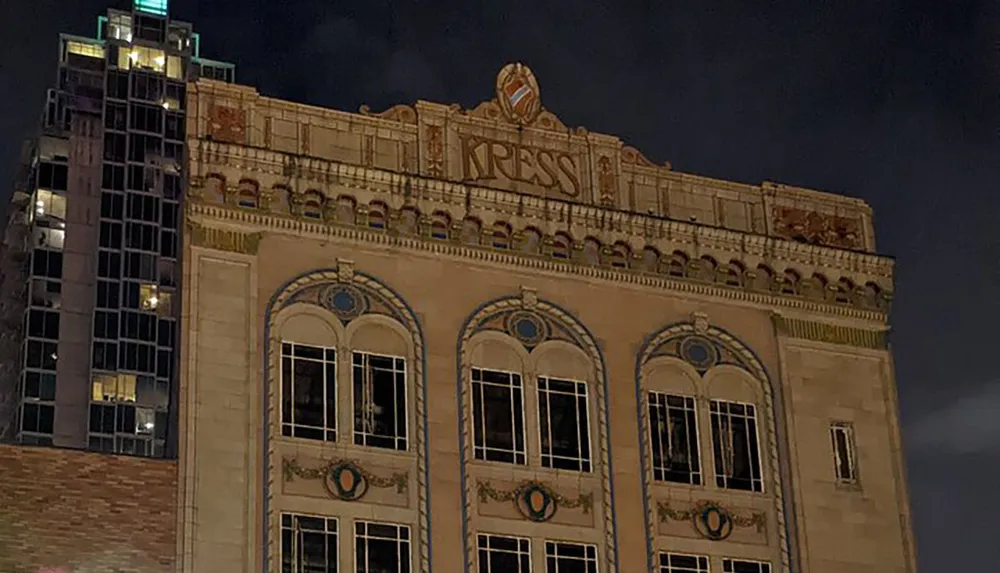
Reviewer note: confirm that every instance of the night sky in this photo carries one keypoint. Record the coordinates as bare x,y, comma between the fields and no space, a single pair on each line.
894,102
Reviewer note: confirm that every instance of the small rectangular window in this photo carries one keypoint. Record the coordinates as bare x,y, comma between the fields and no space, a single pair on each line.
41,354
504,554
564,424
381,547
735,445
565,557
673,428
308,544
844,456
40,386
679,563
38,418
46,263
380,401
498,417
745,566
308,392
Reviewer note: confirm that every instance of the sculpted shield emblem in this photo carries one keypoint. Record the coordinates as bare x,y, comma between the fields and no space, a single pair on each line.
536,503
518,94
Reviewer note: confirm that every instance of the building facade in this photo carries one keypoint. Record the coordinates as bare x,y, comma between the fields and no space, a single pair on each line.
91,255
445,339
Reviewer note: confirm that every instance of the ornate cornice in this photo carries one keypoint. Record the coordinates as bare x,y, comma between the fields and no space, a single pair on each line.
831,333
405,188
201,213
223,240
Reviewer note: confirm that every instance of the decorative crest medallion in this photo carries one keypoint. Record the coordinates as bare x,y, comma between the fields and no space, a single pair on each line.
345,479
711,520
518,94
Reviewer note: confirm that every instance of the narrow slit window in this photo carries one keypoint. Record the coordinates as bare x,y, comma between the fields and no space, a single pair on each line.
845,457
498,416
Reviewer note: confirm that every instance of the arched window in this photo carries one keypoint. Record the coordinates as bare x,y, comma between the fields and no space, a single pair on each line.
650,260
248,193
352,379
501,235
440,226
562,246
378,214
532,400
312,205
621,254
592,251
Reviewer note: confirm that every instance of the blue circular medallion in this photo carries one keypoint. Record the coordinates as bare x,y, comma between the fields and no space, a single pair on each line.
527,327
699,352
345,301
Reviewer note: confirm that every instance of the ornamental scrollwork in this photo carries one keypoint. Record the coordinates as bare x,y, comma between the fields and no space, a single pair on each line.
344,479
535,500
711,520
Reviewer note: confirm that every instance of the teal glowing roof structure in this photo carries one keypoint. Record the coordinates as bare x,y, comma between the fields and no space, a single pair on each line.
158,7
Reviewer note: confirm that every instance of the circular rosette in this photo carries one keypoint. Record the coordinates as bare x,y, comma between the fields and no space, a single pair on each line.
713,521
527,327
699,352
345,301
346,481
536,502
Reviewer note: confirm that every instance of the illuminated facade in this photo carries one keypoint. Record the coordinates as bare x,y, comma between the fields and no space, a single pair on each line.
439,339
91,257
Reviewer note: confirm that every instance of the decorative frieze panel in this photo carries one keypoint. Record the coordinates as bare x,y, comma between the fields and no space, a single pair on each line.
345,480
713,521
534,501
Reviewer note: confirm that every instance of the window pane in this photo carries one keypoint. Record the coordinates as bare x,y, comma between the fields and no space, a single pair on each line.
380,401
498,416
563,423
674,439
308,405
735,446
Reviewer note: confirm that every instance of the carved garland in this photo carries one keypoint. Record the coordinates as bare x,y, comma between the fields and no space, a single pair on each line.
516,310
746,359
535,500
344,479
375,292
711,519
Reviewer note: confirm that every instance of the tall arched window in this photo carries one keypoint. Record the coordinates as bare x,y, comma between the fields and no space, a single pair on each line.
707,427
347,425
535,433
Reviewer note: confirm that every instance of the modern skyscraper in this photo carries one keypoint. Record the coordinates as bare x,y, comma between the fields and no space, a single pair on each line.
91,256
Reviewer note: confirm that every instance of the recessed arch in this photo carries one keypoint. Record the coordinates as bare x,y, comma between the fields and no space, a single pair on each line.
380,308
557,332
730,367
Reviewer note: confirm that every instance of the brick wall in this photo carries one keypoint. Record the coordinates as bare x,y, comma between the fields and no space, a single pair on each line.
76,512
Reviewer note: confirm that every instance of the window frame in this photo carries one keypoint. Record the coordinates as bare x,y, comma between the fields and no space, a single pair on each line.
330,433
757,480
522,387
586,458
850,443
670,568
408,541
547,543
729,563
397,438
694,442
518,538
294,516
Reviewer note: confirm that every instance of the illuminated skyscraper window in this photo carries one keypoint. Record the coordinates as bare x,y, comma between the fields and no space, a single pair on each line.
158,7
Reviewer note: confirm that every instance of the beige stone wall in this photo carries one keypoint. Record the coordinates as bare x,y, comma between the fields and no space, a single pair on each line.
322,200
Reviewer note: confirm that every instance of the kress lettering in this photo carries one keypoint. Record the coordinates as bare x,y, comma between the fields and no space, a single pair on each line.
485,159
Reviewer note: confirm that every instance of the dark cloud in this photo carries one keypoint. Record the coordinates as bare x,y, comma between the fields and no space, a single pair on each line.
892,101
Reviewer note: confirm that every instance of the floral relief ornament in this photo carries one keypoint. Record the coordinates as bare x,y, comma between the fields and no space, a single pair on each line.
710,519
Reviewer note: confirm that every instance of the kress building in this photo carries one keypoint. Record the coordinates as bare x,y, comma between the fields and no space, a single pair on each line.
439,339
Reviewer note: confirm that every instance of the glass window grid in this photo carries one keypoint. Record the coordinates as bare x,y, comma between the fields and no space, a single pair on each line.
723,413
366,432
291,353
570,557
299,531
683,563
111,430
664,409
512,547
482,450
745,566
549,388
366,532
